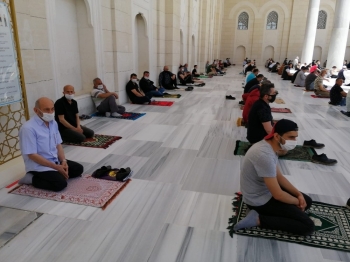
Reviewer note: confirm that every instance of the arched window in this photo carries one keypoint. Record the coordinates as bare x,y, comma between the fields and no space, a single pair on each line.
243,20
322,20
272,21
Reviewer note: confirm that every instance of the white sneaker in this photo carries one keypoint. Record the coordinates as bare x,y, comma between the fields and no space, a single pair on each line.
115,114
108,114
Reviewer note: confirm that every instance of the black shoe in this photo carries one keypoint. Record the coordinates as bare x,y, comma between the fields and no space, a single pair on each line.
241,103
123,174
312,143
189,89
323,160
348,204
348,84
345,113
230,97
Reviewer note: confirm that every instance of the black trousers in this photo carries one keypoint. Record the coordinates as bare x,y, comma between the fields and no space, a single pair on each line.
277,215
53,180
142,100
187,80
171,85
69,135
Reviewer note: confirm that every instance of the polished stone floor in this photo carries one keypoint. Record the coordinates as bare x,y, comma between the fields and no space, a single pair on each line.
185,174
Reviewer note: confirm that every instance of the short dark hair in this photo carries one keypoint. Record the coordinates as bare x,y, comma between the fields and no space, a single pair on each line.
133,74
95,79
145,72
259,76
255,70
265,82
265,89
339,79
194,65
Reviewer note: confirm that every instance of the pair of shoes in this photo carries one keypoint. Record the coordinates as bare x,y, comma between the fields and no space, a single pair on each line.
123,174
312,143
190,88
345,113
323,160
230,97
241,102
82,117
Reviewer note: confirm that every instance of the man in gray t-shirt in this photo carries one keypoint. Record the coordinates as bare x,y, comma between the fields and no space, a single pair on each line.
274,202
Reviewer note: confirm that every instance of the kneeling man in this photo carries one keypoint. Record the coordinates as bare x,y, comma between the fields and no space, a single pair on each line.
67,117
274,202
43,155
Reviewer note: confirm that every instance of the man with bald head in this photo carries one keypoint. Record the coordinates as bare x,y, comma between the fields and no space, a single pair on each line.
40,142
167,79
67,117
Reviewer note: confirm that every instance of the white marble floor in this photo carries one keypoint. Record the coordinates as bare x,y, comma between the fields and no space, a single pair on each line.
185,174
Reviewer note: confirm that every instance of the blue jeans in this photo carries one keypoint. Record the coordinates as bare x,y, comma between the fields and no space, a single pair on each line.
158,93
343,102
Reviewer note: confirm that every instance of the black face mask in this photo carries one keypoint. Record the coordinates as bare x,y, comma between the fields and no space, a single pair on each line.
272,98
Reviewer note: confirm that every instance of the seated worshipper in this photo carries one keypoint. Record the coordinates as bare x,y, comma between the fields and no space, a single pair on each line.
273,201
104,100
341,73
285,62
300,78
252,75
148,88
319,88
310,78
295,75
167,79
249,67
275,68
260,116
255,81
194,71
211,71
186,69
67,118
337,94
296,62
318,64
186,78
334,72
287,74
43,155
135,95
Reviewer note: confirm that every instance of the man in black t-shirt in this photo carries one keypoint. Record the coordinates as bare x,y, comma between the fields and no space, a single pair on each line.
147,86
260,116
67,118
337,94
134,93
194,71
167,79
255,81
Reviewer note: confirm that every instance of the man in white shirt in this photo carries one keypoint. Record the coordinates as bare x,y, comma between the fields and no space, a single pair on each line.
105,101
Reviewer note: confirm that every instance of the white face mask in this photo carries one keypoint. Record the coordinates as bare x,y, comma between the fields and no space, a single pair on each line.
146,78
134,80
100,87
289,144
69,97
47,117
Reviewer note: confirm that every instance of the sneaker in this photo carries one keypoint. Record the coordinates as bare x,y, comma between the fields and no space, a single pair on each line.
323,160
115,114
108,114
230,97
345,113
348,204
241,102
312,143
123,174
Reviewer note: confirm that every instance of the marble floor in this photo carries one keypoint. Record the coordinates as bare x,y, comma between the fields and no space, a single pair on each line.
185,175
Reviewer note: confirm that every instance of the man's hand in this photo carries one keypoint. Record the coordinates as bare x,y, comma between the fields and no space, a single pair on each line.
79,130
302,202
63,169
173,77
115,95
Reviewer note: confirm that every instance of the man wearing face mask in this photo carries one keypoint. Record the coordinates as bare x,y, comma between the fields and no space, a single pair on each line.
147,86
105,101
260,116
43,155
135,94
274,202
67,117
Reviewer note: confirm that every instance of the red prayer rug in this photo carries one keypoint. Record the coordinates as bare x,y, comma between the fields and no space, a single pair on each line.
280,110
315,96
162,103
87,191
98,141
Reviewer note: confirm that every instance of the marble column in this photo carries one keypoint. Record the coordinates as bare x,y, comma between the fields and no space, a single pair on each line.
310,31
337,46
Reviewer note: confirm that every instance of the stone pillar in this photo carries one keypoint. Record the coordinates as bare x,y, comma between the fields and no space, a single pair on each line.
310,32
337,46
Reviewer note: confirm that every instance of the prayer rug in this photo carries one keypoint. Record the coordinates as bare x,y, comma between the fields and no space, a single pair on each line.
280,110
203,76
98,141
279,101
162,103
125,115
315,96
87,191
172,96
332,226
299,153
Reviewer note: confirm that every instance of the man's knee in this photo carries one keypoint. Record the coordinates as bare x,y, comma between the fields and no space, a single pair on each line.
59,185
308,228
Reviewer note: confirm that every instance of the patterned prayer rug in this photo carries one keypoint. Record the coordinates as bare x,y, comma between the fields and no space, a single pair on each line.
315,96
87,191
162,103
280,110
279,101
126,115
172,96
203,76
332,226
98,141
300,153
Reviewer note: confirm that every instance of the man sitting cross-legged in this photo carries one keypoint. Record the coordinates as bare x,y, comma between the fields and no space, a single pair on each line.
273,201
255,81
134,93
43,155
167,79
147,86
320,89
105,101
337,94
186,78
67,117
300,77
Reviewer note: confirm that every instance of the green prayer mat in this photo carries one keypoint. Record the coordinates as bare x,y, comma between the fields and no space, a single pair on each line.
203,76
172,96
332,226
98,141
300,153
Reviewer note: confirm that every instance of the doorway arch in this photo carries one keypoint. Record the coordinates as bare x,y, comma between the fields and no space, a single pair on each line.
142,54
240,54
269,52
317,53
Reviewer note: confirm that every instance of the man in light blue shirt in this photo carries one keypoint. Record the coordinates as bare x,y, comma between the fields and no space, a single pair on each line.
252,75
41,148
